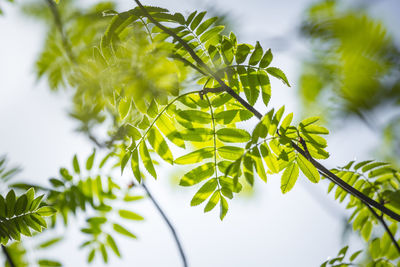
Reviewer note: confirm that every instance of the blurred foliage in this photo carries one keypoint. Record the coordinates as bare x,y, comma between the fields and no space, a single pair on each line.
353,69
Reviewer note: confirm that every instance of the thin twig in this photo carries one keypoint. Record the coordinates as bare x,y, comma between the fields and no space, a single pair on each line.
380,218
60,28
335,179
168,222
8,256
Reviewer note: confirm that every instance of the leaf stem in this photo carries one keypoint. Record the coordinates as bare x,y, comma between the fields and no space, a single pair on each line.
168,222
215,142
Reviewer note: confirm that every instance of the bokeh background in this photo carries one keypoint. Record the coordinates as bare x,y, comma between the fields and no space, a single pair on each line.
265,228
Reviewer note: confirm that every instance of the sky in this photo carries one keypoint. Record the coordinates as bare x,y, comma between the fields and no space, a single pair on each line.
301,228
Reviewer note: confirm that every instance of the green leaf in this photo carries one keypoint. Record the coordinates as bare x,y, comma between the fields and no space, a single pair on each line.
254,90
265,84
205,25
196,134
354,255
242,52
164,123
30,195
147,162
278,73
124,107
111,243
48,263
91,255
190,17
373,165
104,253
157,141
257,54
230,152
50,242
3,208
366,230
233,135
133,132
196,156
198,174
56,183
135,165
211,34
196,21
248,163
10,203
122,230
266,59
213,201
308,169
129,198
269,158
314,129
232,116
227,51
223,208
125,160
127,214
375,248
275,121
20,205
204,192
255,153
289,177
195,116
36,202
308,121
90,160
76,165
46,211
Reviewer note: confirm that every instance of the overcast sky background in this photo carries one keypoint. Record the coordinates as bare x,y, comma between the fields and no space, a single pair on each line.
301,228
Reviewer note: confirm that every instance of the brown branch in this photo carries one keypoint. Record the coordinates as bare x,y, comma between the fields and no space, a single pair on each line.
8,256
335,179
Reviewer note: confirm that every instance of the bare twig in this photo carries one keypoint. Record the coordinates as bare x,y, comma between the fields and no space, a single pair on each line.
8,256
168,222
380,218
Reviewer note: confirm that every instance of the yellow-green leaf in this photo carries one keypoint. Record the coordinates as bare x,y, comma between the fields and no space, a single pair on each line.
289,177
308,169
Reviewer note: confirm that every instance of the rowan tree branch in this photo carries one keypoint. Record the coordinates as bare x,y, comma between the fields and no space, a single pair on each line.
335,179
